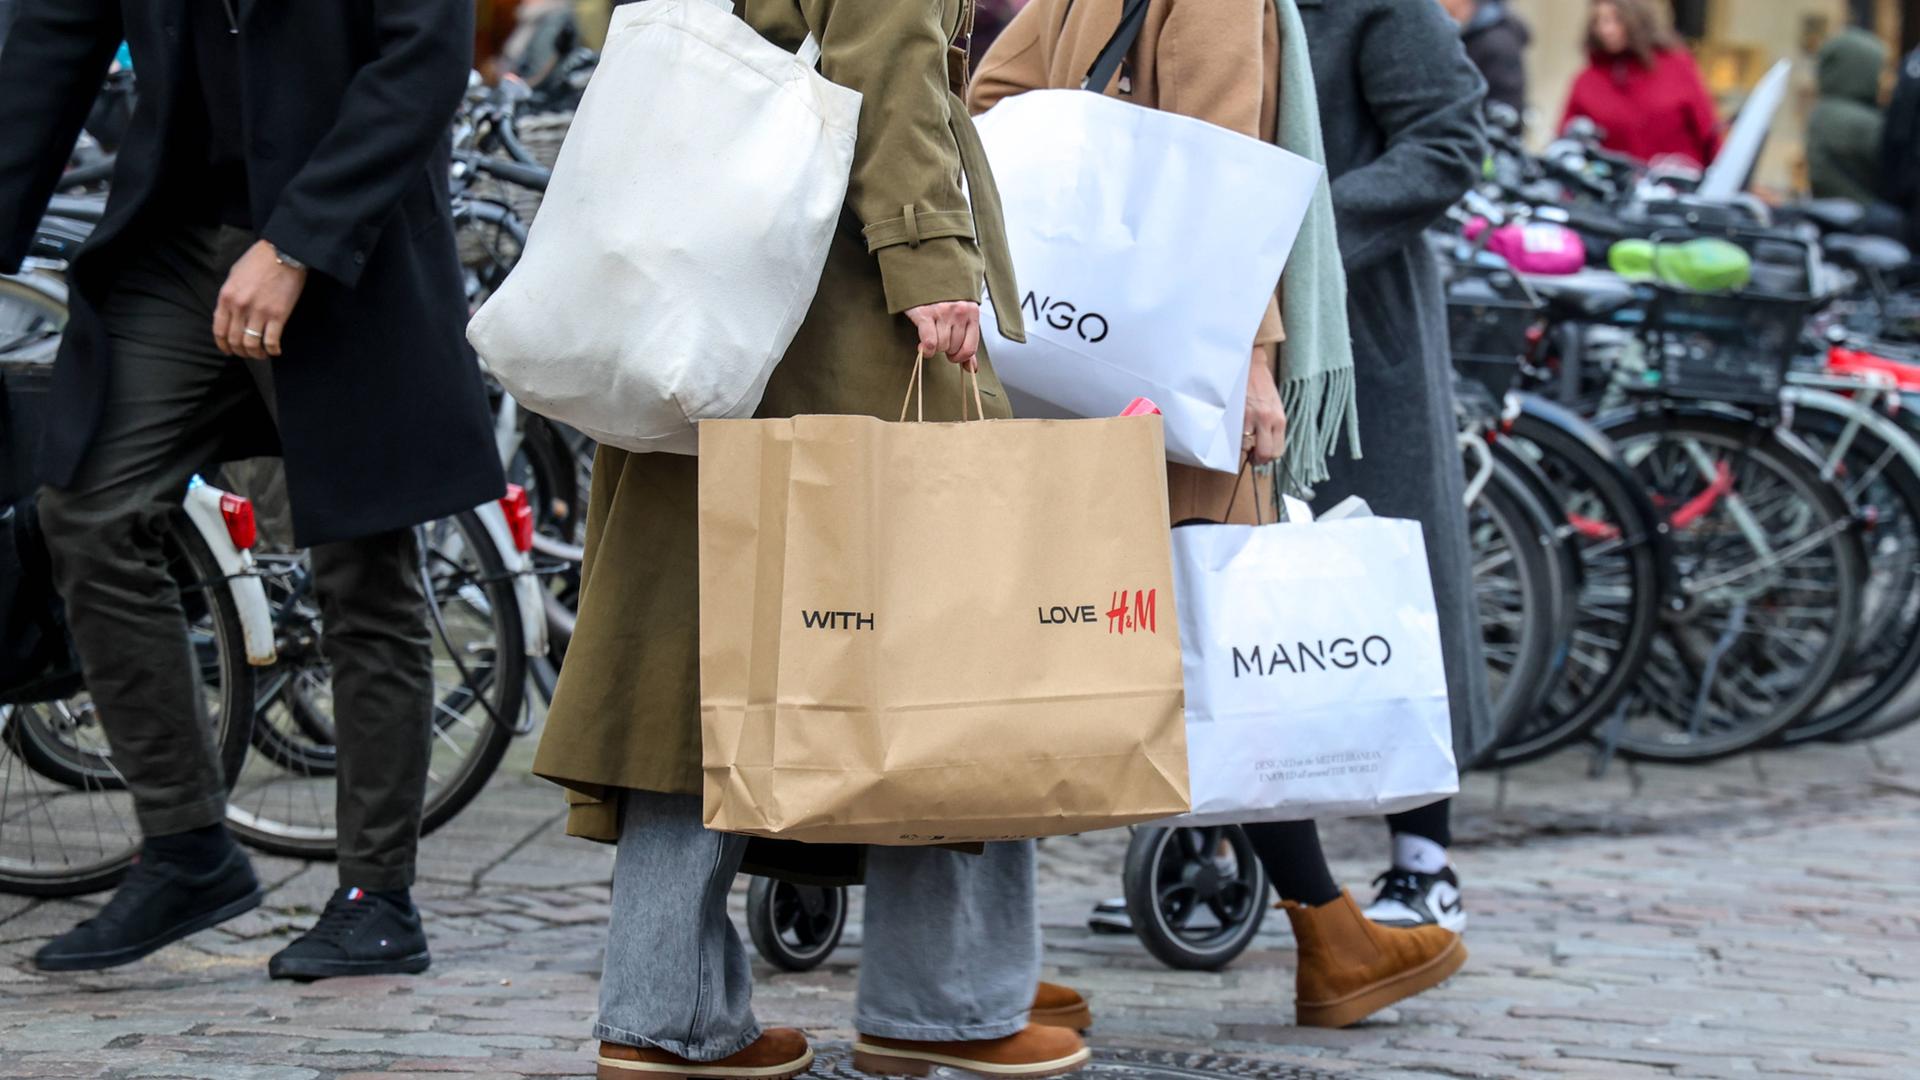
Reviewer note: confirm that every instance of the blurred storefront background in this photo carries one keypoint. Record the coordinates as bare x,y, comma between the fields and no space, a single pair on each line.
1736,42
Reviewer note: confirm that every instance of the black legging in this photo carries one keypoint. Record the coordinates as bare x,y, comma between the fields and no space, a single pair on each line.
1291,852
1433,821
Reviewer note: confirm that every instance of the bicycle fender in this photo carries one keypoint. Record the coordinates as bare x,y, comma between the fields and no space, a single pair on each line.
526,585
249,596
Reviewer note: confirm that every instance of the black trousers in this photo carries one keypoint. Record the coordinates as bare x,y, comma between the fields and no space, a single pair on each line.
171,396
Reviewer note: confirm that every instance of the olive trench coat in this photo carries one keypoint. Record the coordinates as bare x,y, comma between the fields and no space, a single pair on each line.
1214,60
626,712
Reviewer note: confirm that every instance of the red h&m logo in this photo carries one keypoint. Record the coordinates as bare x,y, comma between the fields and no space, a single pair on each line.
1140,617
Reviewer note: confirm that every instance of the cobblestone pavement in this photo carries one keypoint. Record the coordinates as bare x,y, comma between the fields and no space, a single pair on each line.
1753,919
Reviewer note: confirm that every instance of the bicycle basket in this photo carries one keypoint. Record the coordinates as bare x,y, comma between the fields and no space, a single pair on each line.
1734,347
1490,322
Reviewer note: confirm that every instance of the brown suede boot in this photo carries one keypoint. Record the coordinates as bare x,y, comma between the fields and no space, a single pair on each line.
1037,1051
778,1054
1062,1007
1351,967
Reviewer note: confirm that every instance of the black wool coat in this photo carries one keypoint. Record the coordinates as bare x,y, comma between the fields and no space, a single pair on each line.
1400,106
383,420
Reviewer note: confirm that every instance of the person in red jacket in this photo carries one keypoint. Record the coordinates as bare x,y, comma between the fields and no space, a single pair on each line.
1642,88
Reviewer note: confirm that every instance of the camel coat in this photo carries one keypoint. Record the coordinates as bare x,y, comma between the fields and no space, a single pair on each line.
626,712
1215,60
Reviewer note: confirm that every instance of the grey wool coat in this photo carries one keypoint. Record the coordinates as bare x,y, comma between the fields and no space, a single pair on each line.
1400,105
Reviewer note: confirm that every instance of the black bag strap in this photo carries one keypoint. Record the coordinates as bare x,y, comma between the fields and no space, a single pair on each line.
1107,64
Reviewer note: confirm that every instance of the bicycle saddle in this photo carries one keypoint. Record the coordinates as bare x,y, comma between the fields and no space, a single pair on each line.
87,208
1591,294
1831,215
1870,253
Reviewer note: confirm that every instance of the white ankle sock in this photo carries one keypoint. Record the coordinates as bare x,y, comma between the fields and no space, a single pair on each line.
1418,853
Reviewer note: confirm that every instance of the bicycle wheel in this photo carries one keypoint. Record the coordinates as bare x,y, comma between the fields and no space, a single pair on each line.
67,825
1769,584
1514,580
283,798
1614,530
33,314
1874,469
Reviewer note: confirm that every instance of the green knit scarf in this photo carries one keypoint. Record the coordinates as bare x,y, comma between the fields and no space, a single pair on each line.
1316,384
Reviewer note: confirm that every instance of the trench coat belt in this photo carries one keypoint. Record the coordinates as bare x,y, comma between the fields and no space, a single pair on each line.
986,225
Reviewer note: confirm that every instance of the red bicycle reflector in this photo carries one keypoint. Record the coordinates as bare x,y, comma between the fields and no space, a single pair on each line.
519,511
237,512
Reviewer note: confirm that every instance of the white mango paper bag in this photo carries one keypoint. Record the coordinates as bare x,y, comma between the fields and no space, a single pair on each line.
1315,686
1147,245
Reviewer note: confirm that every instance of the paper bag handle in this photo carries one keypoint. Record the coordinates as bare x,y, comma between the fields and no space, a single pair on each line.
917,390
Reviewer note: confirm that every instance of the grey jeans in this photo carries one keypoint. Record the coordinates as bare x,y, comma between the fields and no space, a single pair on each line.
951,943
170,395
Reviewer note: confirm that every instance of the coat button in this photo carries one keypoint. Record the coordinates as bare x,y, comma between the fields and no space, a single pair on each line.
359,258
173,33
264,150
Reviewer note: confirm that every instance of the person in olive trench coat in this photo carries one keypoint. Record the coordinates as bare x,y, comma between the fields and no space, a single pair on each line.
952,964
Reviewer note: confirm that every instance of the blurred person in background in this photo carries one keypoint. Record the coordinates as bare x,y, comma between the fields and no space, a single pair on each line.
1642,88
990,17
1496,42
1845,129
1900,148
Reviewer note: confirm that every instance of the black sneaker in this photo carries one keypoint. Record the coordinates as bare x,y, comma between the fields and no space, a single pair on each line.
359,933
1411,898
158,904
1110,917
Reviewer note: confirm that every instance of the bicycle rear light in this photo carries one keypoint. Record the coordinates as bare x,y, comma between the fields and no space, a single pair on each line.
519,513
237,512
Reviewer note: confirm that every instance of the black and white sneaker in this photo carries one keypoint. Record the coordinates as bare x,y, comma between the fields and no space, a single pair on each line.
1411,898
1110,917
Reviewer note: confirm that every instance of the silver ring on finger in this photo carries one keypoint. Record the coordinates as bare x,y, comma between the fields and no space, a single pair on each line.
250,332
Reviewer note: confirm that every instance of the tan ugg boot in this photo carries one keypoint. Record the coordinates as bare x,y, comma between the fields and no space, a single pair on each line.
1062,1007
1351,967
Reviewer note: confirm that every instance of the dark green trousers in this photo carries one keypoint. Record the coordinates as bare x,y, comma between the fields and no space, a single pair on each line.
172,398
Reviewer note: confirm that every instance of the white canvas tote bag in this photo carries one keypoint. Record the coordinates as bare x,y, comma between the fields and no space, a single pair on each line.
1315,686
1147,245
681,240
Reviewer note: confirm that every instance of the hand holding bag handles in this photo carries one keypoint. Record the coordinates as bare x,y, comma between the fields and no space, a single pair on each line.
1148,246
683,235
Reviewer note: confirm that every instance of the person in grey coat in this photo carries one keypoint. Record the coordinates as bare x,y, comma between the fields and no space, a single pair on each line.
1400,106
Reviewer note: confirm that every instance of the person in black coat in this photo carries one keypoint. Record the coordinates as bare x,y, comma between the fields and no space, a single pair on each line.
275,273
1400,106
1496,41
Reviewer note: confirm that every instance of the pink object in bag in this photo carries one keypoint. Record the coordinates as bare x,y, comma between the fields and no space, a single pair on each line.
1539,247
1142,407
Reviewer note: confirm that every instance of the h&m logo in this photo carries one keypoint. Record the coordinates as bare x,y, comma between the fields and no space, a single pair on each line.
1342,653
1062,315
836,620
1137,611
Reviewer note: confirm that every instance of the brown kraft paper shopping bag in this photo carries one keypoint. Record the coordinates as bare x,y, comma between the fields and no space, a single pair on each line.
924,633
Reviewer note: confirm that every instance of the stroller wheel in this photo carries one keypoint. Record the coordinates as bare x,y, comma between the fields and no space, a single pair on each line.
795,927
1196,896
